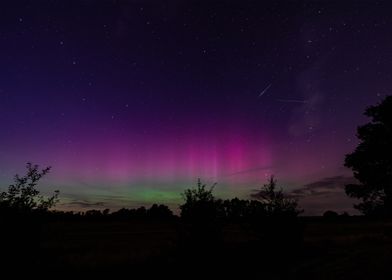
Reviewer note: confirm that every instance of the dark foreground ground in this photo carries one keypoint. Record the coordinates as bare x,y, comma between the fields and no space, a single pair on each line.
338,249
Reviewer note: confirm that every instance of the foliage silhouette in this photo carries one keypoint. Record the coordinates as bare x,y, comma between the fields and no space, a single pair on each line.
275,202
198,234
239,210
272,219
200,231
159,212
23,196
200,204
371,162
22,210
155,212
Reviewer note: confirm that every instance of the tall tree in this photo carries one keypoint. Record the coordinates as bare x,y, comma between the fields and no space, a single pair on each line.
371,162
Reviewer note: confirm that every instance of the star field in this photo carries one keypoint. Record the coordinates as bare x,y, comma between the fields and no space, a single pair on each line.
130,101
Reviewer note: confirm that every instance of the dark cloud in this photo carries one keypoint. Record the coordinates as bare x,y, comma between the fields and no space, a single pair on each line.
325,194
84,204
324,186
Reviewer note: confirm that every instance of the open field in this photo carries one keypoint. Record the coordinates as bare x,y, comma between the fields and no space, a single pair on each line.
346,249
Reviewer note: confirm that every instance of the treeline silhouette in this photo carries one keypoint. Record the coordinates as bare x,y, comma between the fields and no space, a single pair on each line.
155,212
271,218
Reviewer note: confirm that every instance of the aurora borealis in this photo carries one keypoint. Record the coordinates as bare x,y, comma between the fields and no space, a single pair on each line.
131,101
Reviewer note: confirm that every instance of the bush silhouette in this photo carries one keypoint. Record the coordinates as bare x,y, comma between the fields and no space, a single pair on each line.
21,211
371,162
23,196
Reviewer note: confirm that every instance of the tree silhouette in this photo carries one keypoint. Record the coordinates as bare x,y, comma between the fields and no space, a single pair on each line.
201,233
22,209
371,162
159,212
276,223
200,204
236,209
275,202
23,196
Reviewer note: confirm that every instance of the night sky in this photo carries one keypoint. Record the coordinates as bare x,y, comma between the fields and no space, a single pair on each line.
131,101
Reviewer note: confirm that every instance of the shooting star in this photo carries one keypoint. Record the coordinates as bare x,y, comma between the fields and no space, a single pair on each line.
292,101
264,91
